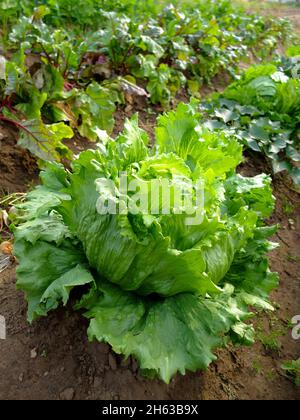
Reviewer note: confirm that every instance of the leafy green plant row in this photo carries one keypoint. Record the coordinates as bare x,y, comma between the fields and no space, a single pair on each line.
155,287
73,77
46,110
262,109
167,51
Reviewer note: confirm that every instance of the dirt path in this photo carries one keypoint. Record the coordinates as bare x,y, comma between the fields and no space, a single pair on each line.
52,359
276,10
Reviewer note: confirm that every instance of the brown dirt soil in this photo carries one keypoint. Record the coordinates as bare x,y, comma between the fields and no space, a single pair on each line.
52,359
18,168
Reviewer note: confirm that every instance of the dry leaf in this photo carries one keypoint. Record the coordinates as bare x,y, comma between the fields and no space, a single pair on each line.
6,248
3,219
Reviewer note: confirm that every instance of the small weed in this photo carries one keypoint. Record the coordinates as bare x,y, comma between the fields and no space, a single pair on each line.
150,111
257,366
270,340
288,323
271,375
292,258
44,353
292,369
287,207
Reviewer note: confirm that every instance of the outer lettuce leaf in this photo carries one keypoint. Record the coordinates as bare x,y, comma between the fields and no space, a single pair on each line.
165,335
250,271
254,192
52,262
55,270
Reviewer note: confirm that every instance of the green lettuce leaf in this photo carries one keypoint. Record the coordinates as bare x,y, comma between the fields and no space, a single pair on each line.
165,335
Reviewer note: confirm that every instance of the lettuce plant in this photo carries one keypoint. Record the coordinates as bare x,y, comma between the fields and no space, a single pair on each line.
262,109
153,286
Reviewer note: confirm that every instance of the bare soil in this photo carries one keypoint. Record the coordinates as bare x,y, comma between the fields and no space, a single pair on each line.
18,169
52,359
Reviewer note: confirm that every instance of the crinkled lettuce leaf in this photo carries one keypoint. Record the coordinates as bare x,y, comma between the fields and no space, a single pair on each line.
51,262
166,335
